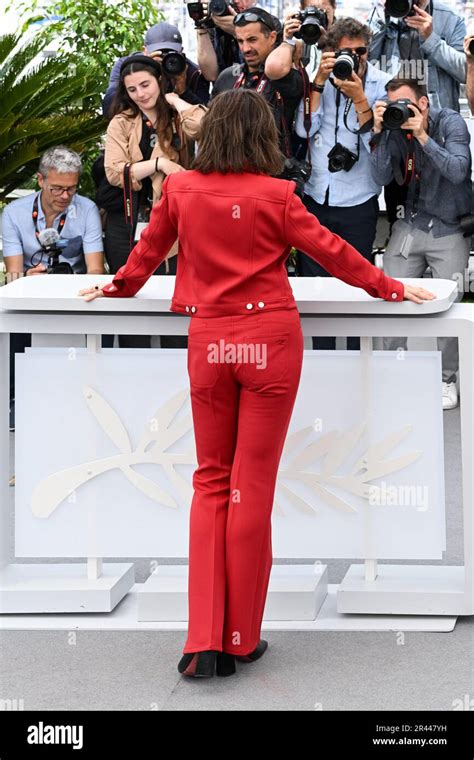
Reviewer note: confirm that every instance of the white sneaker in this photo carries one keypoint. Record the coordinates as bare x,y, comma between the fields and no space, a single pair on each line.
450,396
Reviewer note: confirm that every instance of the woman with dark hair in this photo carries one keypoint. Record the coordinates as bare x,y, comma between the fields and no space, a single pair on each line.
147,139
236,225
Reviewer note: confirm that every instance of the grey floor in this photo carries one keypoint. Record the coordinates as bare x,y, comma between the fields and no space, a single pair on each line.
95,670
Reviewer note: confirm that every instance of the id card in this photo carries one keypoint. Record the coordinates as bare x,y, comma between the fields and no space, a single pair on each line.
140,227
406,245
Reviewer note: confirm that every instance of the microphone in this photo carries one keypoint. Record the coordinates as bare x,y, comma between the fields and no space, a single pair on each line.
48,237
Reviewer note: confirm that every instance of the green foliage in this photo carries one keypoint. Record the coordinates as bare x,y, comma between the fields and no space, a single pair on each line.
97,31
41,105
89,36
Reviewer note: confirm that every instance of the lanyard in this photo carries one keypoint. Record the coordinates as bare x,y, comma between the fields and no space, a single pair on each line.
34,214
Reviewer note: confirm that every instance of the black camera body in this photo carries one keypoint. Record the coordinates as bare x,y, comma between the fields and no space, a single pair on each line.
196,12
346,63
399,8
298,171
173,63
341,159
396,113
54,265
202,19
314,22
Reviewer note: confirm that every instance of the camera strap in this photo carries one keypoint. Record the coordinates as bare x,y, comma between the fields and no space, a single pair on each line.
306,107
261,84
364,128
346,111
410,172
34,215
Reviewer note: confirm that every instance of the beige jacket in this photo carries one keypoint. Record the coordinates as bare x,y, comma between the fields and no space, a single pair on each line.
122,146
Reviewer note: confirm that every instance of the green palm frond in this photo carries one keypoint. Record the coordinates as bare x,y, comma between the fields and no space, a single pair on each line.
14,64
42,105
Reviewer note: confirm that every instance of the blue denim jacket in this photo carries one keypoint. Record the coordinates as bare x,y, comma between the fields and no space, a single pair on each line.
443,51
445,164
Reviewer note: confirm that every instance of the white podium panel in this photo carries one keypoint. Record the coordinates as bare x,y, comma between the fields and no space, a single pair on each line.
104,462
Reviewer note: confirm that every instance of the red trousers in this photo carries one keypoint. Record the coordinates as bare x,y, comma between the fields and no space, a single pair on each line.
242,400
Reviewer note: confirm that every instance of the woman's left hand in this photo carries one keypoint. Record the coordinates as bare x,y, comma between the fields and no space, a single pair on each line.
172,98
91,293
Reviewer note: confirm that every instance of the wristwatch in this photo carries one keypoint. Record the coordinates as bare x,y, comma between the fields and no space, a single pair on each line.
316,87
291,42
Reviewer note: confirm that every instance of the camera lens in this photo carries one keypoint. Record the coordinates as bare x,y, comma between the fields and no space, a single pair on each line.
173,64
218,8
344,65
398,8
471,47
395,115
336,164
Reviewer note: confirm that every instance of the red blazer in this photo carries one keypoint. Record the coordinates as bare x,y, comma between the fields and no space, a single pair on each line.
235,233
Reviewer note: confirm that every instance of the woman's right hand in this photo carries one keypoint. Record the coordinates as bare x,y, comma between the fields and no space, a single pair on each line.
170,167
416,294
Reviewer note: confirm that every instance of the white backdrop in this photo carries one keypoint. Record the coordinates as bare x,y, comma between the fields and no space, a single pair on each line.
105,455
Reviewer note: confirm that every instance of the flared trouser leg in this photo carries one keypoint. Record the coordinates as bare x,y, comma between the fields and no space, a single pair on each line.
241,416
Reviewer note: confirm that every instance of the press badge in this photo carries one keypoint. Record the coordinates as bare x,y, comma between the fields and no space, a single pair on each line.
140,227
406,246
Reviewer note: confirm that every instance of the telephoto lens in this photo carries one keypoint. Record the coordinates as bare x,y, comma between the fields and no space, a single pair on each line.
396,113
173,64
399,8
471,47
346,63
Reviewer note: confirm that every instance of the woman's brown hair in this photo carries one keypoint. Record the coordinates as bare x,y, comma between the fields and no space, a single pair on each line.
238,134
123,102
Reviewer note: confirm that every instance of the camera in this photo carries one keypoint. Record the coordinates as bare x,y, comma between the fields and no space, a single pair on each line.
313,23
346,63
341,159
298,171
196,12
396,113
173,63
399,8
52,245
203,19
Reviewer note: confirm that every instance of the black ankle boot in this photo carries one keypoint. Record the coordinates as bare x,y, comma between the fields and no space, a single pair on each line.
198,664
256,654
225,664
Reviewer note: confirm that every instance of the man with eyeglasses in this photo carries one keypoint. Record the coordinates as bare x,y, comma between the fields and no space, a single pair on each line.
56,206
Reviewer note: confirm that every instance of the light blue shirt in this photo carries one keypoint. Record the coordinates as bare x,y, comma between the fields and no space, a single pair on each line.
345,188
82,228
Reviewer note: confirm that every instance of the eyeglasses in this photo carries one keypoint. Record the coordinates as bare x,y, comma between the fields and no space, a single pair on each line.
358,50
247,17
58,190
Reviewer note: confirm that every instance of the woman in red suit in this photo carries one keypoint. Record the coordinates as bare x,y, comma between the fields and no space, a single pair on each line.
236,225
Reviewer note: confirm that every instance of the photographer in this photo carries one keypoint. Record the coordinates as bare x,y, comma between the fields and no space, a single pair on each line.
257,34
341,191
426,44
428,150
217,47
73,240
318,16
180,75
